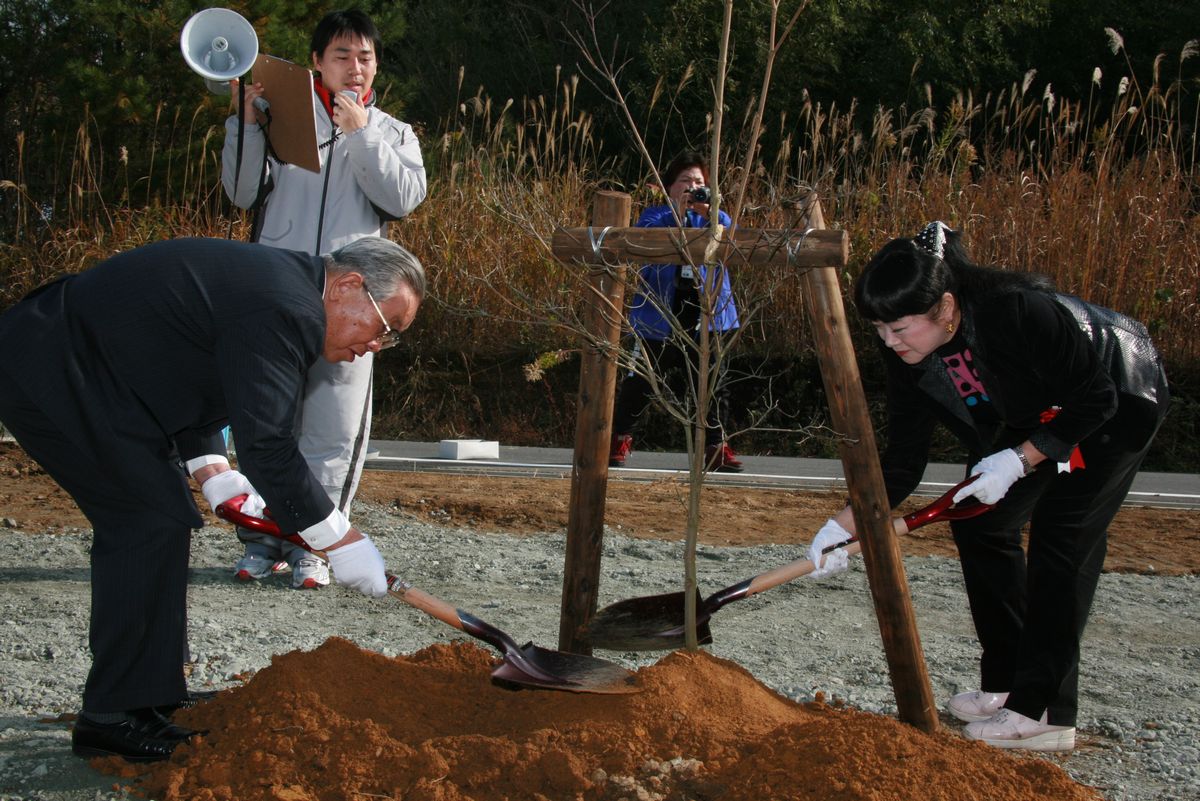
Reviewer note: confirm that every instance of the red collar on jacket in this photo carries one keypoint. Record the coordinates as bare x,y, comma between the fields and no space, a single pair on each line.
327,97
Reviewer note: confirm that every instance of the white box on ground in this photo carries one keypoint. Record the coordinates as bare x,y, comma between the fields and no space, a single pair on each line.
469,449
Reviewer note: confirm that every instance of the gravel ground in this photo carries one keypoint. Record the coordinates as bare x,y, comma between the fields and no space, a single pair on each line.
1139,735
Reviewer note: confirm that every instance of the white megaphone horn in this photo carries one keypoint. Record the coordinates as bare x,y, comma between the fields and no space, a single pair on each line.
219,45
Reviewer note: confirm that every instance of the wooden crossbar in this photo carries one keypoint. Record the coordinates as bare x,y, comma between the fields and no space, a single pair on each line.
738,247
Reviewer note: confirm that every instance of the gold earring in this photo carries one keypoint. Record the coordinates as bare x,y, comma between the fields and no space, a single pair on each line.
949,328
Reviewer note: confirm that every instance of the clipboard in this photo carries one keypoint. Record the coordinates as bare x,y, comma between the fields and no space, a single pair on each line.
288,88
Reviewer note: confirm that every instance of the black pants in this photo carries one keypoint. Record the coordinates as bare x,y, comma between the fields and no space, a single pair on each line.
1030,612
139,570
676,368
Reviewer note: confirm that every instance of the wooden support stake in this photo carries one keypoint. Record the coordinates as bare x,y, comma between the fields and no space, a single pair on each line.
868,496
738,247
603,309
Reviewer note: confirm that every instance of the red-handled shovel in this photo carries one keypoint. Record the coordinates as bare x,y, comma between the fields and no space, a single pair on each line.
523,666
656,622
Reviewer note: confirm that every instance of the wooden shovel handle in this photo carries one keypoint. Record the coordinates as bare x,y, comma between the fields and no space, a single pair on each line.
429,604
940,509
802,567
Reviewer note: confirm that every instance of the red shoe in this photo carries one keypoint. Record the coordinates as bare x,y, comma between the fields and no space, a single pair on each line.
720,458
618,452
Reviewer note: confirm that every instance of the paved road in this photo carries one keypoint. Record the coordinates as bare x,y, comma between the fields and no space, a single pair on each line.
1167,490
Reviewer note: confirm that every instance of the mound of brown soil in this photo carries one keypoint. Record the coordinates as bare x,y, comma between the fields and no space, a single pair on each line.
342,723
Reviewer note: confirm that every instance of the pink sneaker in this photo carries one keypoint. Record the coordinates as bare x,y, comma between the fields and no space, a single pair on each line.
976,705
1008,729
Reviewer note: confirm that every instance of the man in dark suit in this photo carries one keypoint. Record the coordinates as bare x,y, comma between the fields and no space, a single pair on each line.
119,380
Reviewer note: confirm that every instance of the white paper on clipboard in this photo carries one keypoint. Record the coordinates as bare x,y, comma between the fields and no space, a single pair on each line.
292,132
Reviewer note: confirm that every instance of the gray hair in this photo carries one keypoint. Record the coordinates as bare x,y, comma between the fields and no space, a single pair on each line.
384,266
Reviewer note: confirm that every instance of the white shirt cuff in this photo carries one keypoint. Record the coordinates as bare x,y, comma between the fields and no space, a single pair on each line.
321,535
193,465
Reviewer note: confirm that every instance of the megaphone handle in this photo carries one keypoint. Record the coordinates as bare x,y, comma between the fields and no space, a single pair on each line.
241,134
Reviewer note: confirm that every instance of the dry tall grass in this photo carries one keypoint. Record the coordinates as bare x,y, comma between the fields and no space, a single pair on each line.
1103,199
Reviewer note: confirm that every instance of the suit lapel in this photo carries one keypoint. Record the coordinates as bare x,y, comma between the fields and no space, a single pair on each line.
936,382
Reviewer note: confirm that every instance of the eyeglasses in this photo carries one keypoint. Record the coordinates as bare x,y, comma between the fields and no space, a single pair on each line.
388,338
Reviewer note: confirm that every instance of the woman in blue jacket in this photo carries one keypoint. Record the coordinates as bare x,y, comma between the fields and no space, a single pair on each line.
668,299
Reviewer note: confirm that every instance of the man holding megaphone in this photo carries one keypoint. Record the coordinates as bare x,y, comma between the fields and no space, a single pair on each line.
371,172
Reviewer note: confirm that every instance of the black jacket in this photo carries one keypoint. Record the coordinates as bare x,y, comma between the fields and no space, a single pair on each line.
142,360
1032,352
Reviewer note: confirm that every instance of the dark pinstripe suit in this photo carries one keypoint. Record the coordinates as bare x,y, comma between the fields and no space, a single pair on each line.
110,377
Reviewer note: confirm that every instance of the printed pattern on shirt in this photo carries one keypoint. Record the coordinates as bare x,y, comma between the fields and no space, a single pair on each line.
961,368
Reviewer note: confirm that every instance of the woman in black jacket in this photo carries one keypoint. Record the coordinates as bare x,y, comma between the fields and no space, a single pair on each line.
1056,402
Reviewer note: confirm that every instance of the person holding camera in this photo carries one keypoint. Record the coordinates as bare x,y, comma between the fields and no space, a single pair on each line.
665,316
371,172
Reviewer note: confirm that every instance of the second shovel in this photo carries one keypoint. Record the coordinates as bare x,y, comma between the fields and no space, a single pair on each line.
656,622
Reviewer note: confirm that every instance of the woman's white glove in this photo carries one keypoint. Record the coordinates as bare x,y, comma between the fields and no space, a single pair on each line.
359,566
837,560
230,484
997,473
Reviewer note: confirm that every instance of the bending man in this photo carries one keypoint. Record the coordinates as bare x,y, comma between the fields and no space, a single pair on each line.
117,378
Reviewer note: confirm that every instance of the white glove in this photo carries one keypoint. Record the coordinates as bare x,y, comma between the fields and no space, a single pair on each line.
254,506
836,561
997,473
360,567
230,484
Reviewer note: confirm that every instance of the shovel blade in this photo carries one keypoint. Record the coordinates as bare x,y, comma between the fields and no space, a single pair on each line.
650,623
534,666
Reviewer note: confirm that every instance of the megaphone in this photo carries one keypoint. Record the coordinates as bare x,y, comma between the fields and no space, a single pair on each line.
219,45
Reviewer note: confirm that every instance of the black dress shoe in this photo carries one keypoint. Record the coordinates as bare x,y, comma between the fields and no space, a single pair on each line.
143,736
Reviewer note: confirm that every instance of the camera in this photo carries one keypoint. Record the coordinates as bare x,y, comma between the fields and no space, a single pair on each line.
700,194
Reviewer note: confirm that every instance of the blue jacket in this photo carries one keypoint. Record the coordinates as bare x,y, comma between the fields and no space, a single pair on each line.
646,317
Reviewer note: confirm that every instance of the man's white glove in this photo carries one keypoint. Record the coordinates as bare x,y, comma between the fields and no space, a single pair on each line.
230,484
360,567
997,473
837,560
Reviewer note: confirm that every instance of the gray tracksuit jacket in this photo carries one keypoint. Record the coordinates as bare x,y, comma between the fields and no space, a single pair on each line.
367,178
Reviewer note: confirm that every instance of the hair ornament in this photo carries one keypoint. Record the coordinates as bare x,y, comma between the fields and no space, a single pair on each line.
933,238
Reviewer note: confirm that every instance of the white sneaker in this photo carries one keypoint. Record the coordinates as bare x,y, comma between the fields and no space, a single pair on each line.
976,705
253,566
310,573
1008,729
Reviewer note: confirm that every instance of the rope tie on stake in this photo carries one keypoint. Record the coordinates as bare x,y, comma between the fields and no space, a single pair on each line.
793,248
597,243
